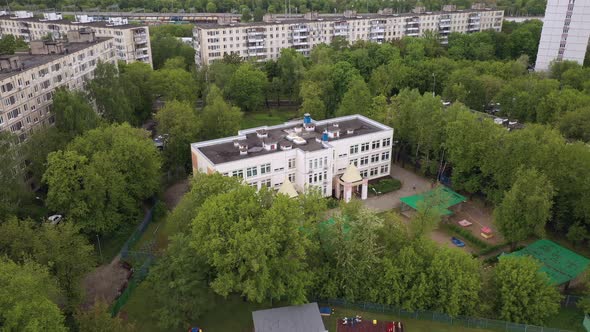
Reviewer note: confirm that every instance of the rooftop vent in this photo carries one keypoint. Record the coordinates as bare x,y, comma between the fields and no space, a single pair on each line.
350,131
262,133
299,141
286,146
243,150
298,129
309,127
306,118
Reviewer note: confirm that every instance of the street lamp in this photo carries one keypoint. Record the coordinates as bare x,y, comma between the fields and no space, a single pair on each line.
434,85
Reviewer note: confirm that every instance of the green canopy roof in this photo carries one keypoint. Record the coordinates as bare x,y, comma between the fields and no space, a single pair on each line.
448,198
560,264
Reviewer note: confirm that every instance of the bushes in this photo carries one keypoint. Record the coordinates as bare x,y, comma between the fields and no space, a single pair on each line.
385,185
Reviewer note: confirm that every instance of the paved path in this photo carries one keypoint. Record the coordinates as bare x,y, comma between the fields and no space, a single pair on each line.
409,180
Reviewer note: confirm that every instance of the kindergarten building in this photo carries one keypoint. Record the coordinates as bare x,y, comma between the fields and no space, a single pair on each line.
339,156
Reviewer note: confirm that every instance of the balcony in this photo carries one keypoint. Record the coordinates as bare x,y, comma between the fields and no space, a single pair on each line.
378,29
299,28
412,28
141,55
255,37
413,33
341,33
300,43
140,40
142,49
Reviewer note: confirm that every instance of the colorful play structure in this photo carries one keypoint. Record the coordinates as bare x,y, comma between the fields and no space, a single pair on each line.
561,264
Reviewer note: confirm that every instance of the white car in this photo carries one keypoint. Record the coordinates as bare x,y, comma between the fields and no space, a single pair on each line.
55,219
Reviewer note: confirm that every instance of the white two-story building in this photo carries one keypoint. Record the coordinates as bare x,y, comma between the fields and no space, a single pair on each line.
337,155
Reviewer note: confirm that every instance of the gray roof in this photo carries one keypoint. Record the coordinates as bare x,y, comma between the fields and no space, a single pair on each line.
226,151
30,61
302,318
95,24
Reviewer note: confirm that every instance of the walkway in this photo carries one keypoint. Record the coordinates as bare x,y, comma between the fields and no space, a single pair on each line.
411,184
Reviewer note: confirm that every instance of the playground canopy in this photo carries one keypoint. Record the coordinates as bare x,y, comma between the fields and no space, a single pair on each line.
447,199
560,264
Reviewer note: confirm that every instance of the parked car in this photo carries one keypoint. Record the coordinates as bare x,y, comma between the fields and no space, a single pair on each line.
457,242
55,219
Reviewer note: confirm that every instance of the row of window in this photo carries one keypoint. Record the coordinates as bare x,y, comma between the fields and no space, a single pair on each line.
317,177
374,159
251,171
354,149
318,163
374,171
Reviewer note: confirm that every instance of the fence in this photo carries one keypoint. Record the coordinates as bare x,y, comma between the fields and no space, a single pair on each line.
137,257
470,322
570,301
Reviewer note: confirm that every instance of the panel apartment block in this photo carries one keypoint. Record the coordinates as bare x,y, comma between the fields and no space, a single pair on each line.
28,81
131,43
307,153
565,34
264,40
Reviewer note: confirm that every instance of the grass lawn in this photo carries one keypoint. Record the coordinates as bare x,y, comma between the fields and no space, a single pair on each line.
567,318
268,118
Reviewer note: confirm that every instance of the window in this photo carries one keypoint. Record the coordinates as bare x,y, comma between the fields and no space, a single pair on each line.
291,176
386,142
355,162
291,163
254,184
239,173
364,173
374,158
373,171
364,160
385,155
251,171
1,119
265,169
365,147
354,149
384,169
376,145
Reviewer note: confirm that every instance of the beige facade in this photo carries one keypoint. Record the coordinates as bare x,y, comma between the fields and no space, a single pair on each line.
263,41
28,81
131,43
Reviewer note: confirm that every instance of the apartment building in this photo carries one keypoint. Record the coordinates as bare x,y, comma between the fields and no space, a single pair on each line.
28,81
338,155
264,40
565,34
131,43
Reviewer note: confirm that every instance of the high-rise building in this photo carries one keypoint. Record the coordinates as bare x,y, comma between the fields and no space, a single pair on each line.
338,156
566,30
263,41
28,80
131,43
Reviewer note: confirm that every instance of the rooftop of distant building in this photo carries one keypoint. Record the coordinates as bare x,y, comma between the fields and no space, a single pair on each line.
95,24
294,19
304,134
29,61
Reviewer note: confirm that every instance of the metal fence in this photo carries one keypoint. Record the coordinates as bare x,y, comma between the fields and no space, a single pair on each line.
470,322
570,301
142,259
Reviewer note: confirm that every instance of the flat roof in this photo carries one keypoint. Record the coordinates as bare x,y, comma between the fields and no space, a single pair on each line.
449,198
223,150
97,24
30,61
334,18
301,318
560,264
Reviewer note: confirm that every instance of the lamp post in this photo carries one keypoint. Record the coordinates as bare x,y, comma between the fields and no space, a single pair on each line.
99,248
434,84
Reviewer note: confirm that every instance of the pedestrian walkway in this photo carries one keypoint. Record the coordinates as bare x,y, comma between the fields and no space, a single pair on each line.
411,184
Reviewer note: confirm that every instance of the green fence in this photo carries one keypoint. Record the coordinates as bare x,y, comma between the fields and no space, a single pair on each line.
471,322
587,323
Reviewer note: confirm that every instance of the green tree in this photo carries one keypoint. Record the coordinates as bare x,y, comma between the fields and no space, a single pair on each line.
311,94
526,208
10,43
179,282
211,7
166,46
99,319
356,100
523,293
575,125
175,84
102,177
136,80
28,298
220,119
67,254
73,114
180,121
254,246
109,96
291,66
247,87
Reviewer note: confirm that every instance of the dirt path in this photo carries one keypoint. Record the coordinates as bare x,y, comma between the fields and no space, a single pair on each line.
104,283
106,280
